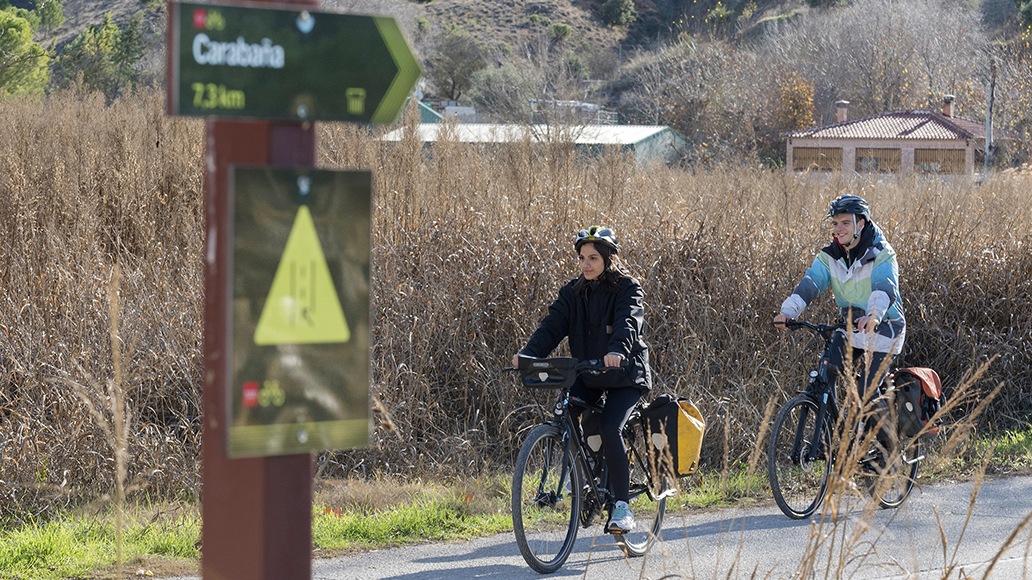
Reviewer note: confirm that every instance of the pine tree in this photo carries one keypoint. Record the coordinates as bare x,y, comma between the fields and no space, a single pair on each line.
23,62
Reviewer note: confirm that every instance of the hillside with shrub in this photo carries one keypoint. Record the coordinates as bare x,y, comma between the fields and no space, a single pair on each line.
732,78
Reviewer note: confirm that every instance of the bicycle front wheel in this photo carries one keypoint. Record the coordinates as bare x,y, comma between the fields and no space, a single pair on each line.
798,474
648,497
546,500
896,483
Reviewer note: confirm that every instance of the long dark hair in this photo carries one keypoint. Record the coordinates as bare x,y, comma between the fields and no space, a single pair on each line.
610,278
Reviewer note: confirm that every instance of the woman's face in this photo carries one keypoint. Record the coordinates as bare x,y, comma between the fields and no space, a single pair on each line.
591,263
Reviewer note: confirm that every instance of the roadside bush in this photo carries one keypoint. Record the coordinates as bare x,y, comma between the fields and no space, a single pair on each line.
619,12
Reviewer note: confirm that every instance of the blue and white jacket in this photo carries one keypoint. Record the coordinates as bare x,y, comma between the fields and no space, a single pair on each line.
864,280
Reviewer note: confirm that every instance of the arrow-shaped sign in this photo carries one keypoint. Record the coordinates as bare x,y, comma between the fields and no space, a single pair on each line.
285,63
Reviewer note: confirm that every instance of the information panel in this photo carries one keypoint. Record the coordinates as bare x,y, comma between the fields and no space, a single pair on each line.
286,63
300,310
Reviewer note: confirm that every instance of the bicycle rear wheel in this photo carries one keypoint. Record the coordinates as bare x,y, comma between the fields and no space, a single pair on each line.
897,481
797,481
648,497
545,505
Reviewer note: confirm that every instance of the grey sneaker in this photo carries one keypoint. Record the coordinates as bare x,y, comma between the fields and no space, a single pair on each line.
622,520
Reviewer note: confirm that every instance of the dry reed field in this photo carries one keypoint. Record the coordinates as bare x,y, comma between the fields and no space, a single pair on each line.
470,246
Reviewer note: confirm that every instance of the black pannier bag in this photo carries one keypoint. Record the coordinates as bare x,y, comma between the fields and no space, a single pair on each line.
918,393
675,428
590,424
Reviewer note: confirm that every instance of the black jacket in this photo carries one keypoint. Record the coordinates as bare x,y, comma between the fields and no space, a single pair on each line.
597,323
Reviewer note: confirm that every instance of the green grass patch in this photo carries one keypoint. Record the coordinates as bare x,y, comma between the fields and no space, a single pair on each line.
1011,450
712,489
371,514
1014,445
427,519
73,546
354,515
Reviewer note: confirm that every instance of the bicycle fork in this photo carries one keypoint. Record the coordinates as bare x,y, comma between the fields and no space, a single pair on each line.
814,450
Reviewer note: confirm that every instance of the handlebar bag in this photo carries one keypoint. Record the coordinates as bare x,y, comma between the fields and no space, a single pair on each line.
918,398
675,428
553,373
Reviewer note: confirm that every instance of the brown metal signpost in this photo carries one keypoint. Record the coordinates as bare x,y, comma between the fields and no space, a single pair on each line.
256,511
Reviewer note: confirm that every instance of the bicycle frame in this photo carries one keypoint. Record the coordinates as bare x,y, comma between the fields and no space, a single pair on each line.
598,481
561,458
820,390
574,452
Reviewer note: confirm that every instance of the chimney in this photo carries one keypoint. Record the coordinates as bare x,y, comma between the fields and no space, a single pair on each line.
841,108
947,105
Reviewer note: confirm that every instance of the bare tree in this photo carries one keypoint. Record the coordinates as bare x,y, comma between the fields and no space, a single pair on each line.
525,84
881,54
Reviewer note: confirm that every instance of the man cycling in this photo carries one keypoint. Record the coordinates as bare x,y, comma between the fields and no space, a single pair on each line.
860,266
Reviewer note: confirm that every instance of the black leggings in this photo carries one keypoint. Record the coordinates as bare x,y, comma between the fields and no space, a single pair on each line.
869,377
615,413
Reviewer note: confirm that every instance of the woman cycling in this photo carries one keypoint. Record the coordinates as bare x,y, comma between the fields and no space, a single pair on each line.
601,313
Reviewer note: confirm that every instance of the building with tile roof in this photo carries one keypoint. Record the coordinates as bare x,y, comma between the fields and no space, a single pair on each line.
896,142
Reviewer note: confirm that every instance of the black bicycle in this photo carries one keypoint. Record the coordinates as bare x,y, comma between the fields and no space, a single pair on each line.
560,481
802,450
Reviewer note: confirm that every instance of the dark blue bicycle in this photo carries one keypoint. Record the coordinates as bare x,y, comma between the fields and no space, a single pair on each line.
560,481
802,449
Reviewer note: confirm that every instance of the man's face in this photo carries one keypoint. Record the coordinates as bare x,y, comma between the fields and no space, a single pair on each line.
844,226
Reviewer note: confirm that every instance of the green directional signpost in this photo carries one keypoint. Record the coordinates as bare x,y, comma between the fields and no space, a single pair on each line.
276,63
286,306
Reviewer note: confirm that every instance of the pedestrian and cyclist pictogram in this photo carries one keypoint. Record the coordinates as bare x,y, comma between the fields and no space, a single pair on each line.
302,307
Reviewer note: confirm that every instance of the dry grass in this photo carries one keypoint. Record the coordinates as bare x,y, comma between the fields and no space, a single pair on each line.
87,189
470,247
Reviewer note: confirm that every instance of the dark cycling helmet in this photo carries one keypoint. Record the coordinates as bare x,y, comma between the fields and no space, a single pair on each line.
850,204
597,235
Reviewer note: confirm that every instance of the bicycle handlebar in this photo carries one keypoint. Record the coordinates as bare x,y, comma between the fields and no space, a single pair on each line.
557,372
598,366
825,330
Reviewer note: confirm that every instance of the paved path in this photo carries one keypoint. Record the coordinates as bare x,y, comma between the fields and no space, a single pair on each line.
735,543
918,541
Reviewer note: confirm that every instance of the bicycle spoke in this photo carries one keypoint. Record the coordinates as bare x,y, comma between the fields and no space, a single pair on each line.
798,481
545,510
648,500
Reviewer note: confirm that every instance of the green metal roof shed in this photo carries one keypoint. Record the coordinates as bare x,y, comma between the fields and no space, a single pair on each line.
428,115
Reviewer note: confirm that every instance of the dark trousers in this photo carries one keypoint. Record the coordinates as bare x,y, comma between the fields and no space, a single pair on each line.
615,413
868,377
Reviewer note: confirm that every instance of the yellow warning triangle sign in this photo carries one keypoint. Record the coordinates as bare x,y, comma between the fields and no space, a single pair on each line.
302,307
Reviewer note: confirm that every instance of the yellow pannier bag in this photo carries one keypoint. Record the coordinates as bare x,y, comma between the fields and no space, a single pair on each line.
675,428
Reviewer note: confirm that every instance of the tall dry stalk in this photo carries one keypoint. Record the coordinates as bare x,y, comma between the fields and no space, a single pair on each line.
470,245
107,403
87,186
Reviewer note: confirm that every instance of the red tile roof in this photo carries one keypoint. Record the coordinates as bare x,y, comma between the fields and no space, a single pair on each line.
906,125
